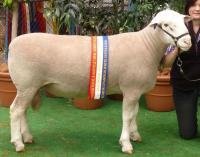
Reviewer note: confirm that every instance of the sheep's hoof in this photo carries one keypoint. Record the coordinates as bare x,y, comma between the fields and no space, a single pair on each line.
128,151
30,141
126,147
136,137
20,149
28,138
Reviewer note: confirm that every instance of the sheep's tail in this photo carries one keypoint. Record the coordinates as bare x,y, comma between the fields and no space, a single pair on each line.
36,101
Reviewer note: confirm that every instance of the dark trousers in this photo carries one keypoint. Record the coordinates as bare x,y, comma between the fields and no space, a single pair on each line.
186,110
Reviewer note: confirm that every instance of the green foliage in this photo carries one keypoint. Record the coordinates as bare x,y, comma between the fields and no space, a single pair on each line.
8,3
64,12
98,20
94,18
117,19
141,12
177,5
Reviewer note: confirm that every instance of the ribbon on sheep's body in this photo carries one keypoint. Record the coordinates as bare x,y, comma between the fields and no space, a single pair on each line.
98,67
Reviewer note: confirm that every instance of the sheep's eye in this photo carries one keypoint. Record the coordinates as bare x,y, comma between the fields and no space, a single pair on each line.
167,25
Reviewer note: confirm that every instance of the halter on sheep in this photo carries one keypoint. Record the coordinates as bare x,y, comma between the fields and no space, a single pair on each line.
173,37
62,63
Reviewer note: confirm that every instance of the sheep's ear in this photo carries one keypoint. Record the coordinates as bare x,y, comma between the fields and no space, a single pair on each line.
152,24
187,18
155,21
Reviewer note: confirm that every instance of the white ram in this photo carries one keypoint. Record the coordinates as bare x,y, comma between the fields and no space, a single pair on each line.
62,64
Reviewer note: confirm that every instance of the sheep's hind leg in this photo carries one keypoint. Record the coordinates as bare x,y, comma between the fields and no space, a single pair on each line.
134,134
18,118
26,135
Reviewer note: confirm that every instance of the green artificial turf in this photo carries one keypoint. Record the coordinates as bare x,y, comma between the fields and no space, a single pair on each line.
61,130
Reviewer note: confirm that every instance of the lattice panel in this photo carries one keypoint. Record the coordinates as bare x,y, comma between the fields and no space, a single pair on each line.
2,29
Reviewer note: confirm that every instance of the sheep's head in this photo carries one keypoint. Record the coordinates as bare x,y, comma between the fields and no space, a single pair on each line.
173,28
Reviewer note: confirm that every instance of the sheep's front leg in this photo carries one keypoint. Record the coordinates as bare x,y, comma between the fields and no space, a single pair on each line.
128,112
134,134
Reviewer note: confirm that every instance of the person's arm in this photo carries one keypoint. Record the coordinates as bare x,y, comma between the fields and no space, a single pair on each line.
169,58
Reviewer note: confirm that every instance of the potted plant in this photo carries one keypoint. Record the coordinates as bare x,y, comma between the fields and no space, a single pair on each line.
160,98
7,90
86,104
